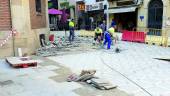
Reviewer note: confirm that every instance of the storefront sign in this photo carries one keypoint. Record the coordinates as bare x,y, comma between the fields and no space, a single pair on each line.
97,6
81,7
141,18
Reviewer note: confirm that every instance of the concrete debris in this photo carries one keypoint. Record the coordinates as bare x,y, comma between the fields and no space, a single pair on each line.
101,84
84,75
72,77
54,48
7,82
88,77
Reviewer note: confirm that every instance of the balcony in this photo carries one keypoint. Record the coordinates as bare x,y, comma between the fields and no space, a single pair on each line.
120,3
125,2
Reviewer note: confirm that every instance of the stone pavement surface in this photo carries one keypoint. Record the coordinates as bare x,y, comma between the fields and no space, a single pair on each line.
47,79
134,70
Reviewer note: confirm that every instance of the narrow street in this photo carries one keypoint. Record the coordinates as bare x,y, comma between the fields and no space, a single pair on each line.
84,48
135,75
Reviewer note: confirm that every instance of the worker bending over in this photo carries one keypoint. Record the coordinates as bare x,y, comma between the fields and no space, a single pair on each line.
107,39
98,34
112,33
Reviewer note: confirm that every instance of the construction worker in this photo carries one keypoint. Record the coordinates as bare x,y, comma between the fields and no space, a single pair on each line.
112,33
107,39
113,23
71,26
98,34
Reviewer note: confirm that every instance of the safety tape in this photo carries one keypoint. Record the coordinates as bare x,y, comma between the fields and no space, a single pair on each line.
13,32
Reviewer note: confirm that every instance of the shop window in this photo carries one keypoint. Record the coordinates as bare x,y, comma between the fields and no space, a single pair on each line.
38,6
99,0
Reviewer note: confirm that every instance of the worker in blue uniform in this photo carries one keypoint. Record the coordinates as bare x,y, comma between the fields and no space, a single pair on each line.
107,39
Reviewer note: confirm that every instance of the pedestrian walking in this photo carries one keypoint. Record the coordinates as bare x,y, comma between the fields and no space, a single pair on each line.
71,27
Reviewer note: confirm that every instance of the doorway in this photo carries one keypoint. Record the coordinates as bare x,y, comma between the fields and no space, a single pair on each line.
155,13
126,21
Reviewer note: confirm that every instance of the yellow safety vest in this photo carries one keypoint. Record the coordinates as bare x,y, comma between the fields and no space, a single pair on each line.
71,24
98,31
111,31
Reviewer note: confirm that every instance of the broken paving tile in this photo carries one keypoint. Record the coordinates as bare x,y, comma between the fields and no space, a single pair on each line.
7,82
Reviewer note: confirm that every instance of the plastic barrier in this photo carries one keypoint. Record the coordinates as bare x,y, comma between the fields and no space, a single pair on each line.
156,40
139,37
127,35
133,36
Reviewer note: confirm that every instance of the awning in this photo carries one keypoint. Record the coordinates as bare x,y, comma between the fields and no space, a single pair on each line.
122,9
54,11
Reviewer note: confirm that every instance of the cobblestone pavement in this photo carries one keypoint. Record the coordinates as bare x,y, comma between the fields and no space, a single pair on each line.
47,79
134,69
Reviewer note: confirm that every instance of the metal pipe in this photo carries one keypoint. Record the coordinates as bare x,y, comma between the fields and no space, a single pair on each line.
13,38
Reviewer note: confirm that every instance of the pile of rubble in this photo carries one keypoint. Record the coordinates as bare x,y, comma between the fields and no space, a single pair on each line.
88,77
53,49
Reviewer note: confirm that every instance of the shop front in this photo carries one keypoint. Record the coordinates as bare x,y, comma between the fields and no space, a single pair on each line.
125,14
80,6
94,15
125,18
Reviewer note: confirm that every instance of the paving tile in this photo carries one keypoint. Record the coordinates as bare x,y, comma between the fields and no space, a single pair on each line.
136,63
51,67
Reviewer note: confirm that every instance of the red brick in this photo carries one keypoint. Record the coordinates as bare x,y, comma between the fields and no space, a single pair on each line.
37,21
5,19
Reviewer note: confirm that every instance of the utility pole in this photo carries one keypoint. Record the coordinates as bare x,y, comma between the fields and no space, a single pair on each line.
107,13
13,37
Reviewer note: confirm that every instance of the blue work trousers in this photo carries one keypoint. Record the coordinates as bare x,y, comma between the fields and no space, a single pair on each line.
107,40
71,36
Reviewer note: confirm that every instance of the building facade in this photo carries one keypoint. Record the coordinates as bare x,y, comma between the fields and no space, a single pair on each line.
29,19
69,5
142,13
155,14
91,13
124,13
5,19
80,14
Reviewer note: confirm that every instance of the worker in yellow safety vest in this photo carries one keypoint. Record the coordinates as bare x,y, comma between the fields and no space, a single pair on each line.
98,34
112,33
71,27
